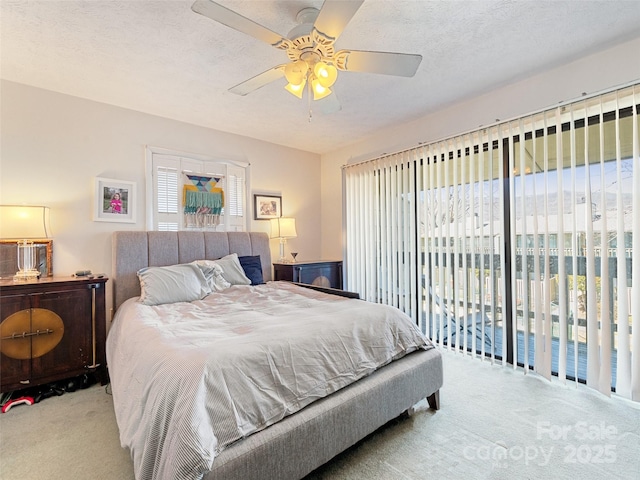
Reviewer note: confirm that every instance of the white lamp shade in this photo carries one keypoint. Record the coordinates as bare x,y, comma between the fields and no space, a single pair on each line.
283,227
319,91
296,72
24,222
296,90
326,74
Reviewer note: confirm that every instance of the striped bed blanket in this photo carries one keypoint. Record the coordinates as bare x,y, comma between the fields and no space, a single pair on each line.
191,378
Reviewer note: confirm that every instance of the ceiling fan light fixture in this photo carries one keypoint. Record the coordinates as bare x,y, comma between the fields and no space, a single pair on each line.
296,72
296,90
319,91
325,73
313,61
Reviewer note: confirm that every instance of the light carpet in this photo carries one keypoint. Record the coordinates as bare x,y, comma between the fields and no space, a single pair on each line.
494,423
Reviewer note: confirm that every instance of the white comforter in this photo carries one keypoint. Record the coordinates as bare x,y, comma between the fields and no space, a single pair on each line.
191,378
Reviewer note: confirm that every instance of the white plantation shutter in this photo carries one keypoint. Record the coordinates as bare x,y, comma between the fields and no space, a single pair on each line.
235,209
166,173
166,201
167,182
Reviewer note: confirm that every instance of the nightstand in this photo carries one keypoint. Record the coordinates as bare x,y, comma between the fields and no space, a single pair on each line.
50,330
325,273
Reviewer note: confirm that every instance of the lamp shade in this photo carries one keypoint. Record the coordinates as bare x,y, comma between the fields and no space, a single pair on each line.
296,72
296,90
326,74
283,227
24,222
319,91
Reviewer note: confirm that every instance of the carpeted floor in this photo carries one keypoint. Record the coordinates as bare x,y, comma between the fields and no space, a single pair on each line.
494,423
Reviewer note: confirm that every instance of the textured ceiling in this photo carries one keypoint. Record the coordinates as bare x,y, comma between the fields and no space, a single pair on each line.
162,58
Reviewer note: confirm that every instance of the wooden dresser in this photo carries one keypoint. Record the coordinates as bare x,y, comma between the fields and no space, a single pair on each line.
324,273
50,330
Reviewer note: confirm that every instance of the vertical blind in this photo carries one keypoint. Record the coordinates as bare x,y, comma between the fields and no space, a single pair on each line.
383,266
513,242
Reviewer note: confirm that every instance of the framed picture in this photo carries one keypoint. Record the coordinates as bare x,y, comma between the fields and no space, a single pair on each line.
266,207
115,201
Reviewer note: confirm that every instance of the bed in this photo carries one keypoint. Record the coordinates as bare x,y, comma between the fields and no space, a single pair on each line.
290,444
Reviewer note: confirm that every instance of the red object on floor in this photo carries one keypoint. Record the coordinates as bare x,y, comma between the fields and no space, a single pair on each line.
17,401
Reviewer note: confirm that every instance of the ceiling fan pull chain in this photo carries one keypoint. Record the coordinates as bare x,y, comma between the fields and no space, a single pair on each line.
309,99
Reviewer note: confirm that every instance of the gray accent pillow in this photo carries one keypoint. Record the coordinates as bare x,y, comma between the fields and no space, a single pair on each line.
213,274
174,283
232,270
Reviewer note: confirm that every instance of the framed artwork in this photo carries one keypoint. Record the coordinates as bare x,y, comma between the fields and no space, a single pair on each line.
266,207
115,201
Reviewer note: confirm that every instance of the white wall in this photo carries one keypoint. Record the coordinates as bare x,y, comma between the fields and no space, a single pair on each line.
53,146
606,69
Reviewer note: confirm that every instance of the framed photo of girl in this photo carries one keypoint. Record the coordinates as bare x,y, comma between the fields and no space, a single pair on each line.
115,201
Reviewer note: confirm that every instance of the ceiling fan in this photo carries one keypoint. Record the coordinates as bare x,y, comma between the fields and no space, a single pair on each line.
313,60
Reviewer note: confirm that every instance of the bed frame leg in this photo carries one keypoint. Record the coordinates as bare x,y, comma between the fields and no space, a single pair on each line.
434,400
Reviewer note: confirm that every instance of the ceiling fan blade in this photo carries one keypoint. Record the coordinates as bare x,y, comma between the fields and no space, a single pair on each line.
236,21
401,64
334,16
258,81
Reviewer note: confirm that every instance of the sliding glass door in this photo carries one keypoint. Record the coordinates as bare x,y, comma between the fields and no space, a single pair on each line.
572,192
461,219
513,242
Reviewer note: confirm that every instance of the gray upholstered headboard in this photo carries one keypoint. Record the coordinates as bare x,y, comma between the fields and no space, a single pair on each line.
135,250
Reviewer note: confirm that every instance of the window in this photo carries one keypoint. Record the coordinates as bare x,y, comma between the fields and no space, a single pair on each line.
167,174
166,196
513,242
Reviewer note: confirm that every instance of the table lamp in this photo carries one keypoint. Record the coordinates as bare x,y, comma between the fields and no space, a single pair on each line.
25,223
283,228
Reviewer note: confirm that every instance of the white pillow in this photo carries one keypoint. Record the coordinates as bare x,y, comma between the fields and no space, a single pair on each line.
174,283
232,271
213,275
